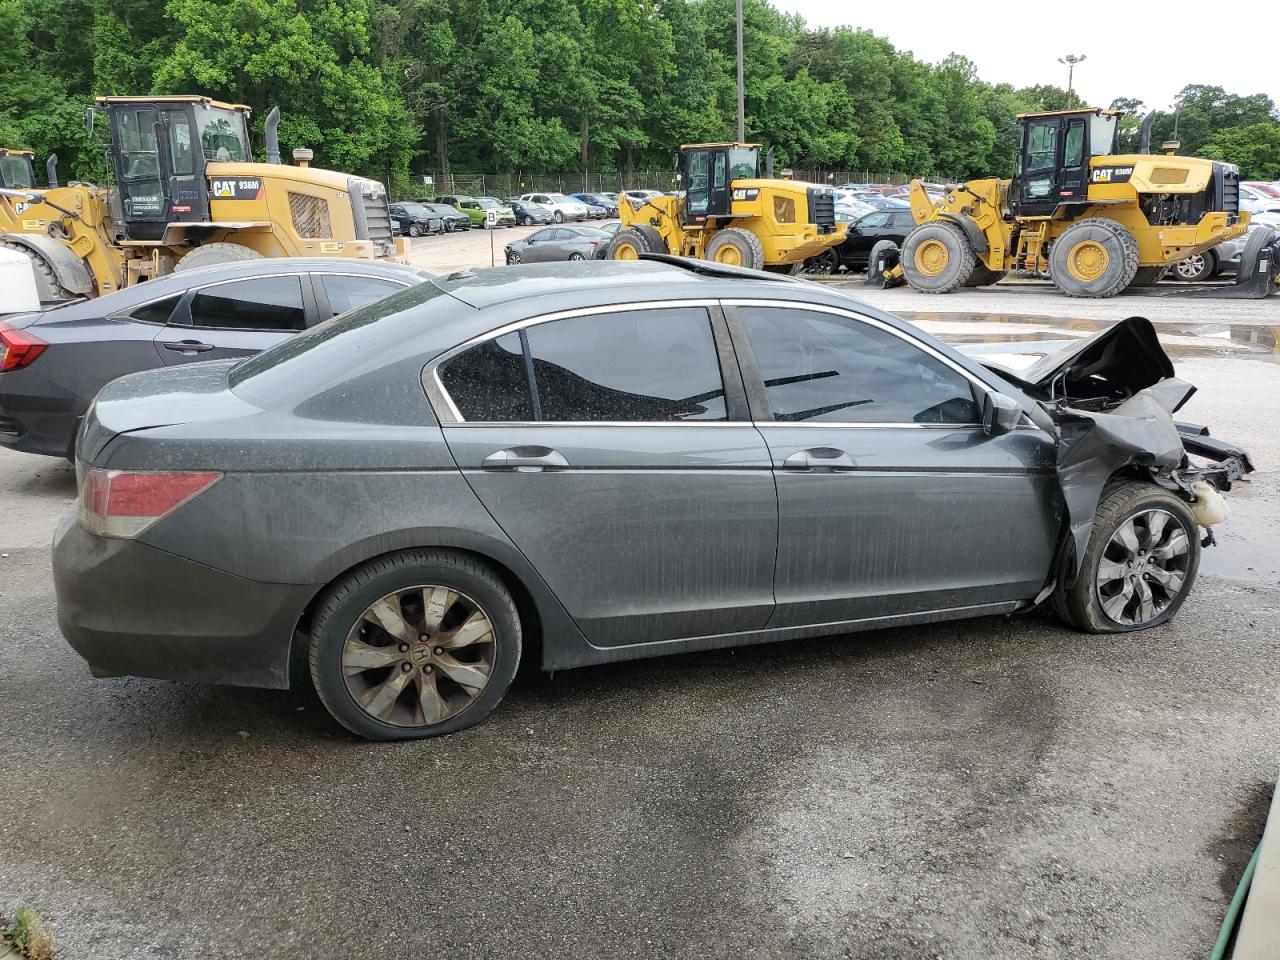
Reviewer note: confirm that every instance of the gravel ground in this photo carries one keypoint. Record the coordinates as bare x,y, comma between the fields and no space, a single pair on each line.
993,788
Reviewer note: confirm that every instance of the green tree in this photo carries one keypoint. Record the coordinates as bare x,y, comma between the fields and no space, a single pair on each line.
1255,149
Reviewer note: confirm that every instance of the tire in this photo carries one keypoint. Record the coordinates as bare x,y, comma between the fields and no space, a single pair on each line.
213,253
558,217
628,243
937,257
1258,239
984,276
1203,266
415,230
1083,603
513,258
448,227
576,256
48,289
404,584
1148,276
827,262
1095,258
883,246
735,247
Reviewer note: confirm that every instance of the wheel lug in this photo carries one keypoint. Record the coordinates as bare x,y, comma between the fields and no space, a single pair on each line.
439,650
406,667
428,669
423,638
404,648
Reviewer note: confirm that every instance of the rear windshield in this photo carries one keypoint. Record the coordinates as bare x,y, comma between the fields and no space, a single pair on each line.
301,365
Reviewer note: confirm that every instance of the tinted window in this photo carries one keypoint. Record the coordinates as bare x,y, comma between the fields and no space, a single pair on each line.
157,312
817,366
347,293
1073,146
1042,143
874,220
542,235
184,161
489,383
264,303
640,365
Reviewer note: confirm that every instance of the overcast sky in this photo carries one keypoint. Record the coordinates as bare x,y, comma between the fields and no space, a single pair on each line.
1128,54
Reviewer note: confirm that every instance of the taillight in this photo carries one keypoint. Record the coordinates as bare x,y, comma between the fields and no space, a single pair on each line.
18,348
123,503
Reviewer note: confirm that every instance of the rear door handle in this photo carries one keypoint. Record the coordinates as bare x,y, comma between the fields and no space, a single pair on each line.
525,459
188,346
819,458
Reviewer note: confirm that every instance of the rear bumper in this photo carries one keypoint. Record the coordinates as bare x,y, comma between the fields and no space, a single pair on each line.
132,610
37,415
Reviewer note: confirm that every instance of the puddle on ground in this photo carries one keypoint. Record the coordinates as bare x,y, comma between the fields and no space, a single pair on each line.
992,335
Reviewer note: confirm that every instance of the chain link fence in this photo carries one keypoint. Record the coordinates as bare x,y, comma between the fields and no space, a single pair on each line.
505,185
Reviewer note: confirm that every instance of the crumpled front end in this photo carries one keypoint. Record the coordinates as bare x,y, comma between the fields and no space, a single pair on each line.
1112,398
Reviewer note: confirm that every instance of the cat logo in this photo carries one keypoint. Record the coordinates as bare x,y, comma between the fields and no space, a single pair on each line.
248,188
1112,174
21,207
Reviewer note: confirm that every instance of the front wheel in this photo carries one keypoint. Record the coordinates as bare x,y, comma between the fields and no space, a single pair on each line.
559,217
828,261
1094,258
1194,269
735,247
1140,563
415,644
576,256
937,257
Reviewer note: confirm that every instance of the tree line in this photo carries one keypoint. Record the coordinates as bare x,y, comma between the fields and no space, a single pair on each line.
392,88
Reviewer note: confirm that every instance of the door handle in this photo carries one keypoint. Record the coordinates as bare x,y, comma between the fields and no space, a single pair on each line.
188,346
819,458
525,459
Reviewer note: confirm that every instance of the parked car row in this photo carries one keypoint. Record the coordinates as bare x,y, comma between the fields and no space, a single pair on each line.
445,214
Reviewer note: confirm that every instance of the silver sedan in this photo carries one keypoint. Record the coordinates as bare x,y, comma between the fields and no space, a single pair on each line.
557,243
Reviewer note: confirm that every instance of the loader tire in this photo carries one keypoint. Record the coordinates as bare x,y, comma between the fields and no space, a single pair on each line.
1148,276
1094,258
984,276
937,257
1258,238
735,247
214,253
629,242
48,289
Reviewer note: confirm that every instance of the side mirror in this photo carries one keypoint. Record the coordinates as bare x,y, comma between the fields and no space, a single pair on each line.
1000,414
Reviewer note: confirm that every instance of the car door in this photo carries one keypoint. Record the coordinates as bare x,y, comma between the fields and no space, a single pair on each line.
538,246
236,318
614,448
864,233
892,499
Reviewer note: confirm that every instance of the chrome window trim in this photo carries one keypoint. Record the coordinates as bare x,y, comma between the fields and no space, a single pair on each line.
440,398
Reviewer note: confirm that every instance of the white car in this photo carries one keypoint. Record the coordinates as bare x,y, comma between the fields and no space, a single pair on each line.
638,197
560,207
1257,201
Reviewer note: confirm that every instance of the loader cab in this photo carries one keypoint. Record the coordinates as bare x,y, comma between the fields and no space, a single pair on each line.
707,172
1053,159
16,170
160,147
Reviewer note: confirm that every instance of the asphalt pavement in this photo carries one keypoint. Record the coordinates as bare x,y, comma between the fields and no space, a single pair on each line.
992,788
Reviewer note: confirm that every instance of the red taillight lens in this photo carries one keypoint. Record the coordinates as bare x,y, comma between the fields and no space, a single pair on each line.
123,503
18,348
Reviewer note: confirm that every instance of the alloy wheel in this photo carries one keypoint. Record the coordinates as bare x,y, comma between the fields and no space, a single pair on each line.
1143,568
419,656
1192,268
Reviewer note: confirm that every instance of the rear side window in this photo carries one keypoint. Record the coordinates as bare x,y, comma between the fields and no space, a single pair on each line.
490,383
347,293
158,311
637,366
263,303
822,367
642,365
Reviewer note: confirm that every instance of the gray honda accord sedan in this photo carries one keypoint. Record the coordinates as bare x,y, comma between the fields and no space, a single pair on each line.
599,461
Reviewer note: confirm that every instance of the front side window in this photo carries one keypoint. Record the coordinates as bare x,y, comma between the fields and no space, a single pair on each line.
1042,145
262,303
823,367
346,293
873,220
15,172
542,235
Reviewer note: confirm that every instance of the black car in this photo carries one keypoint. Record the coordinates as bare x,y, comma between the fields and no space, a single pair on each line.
53,362
529,214
416,219
864,233
452,217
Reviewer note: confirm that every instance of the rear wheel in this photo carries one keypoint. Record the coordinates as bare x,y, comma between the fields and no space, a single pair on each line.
828,261
1194,269
1094,258
415,645
48,288
512,258
937,257
735,247
1140,563
213,253
559,217
576,256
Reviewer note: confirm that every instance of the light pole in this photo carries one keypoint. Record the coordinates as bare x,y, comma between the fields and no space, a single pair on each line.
742,115
1071,60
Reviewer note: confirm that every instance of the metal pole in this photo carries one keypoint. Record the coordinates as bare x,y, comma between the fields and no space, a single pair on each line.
742,115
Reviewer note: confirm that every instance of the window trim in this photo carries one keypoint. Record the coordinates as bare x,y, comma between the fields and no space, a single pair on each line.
449,415
762,410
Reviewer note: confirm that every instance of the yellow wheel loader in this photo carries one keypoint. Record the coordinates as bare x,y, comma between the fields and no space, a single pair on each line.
729,214
186,194
17,182
1095,221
